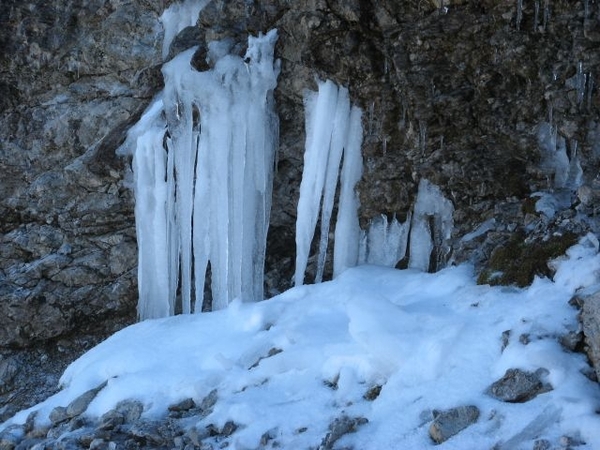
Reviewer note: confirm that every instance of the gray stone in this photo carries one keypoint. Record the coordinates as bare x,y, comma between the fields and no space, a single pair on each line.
58,415
183,405
130,409
111,420
451,422
518,386
80,404
542,444
10,438
8,370
340,427
590,320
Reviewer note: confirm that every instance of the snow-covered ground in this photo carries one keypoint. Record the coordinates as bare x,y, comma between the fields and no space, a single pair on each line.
292,364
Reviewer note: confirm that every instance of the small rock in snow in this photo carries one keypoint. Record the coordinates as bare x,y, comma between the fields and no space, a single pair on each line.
80,404
452,421
518,386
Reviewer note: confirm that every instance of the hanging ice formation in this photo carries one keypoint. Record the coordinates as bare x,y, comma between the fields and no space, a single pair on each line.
560,166
384,243
333,130
431,228
203,156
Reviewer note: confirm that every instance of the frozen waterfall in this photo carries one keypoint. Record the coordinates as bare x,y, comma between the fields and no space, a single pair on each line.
333,133
203,157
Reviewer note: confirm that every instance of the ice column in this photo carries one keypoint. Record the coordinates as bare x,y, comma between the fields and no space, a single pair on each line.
431,227
555,162
333,130
385,242
207,198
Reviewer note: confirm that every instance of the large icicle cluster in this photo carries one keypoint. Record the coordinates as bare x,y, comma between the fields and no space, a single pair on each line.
203,168
333,131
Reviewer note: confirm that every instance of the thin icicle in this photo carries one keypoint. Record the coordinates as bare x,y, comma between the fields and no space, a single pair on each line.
339,136
320,108
347,228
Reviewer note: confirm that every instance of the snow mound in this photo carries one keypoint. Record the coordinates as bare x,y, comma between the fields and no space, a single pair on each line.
421,342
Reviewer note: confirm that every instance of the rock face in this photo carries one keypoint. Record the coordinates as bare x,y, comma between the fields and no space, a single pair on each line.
590,319
455,92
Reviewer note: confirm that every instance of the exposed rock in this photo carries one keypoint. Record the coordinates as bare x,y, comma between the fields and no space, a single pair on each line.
451,422
518,386
80,404
130,409
10,437
338,428
590,321
542,444
58,415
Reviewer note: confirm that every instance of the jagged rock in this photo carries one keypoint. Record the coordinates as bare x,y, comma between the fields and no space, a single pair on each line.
8,370
111,420
338,428
227,430
451,422
130,409
58,415
542,444
183,405
518,386
208,402
590,321
147,433
10,437
80,404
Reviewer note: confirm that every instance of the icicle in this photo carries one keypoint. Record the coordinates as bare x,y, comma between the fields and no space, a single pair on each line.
215,183
152,196
546,15
431,209
385,242
590,90
319,126
347,228
177,17
339,135
536,15
519,14
581,82
332,129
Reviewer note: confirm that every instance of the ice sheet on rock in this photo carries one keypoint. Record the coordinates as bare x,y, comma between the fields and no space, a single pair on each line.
385,242
177,17
431,227
564,168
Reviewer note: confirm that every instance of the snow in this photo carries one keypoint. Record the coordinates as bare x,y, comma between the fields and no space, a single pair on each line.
432,341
